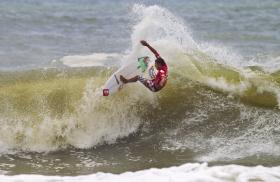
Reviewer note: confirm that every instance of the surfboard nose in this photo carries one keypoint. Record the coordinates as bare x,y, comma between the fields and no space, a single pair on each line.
106,92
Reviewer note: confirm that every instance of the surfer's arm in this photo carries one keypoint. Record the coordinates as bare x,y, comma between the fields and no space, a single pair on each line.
144,43
163,81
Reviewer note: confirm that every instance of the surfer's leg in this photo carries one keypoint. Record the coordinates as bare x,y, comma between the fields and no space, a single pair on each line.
124,80
147,83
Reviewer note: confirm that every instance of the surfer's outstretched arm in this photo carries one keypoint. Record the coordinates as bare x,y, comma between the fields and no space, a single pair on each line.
144,43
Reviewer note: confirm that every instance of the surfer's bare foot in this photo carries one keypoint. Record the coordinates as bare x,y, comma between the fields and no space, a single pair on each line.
123,79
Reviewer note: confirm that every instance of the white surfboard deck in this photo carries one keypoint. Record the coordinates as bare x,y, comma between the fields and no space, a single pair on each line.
114,84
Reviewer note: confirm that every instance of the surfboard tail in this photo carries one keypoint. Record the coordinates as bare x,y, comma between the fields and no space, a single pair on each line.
106,92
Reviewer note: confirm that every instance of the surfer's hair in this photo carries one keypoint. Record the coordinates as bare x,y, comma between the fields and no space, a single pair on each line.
160,61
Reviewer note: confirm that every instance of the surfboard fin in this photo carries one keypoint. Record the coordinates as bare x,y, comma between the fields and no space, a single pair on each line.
143,63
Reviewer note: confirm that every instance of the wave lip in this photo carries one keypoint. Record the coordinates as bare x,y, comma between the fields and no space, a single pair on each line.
97,59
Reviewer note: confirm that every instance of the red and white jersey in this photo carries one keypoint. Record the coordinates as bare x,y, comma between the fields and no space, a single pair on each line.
162,73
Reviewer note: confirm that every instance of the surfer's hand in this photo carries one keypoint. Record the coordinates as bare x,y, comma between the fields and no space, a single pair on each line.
144,43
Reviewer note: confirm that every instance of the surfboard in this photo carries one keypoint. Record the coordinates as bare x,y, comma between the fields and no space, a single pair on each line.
139,67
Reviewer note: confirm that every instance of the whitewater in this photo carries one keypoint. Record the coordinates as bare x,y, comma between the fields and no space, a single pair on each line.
216,120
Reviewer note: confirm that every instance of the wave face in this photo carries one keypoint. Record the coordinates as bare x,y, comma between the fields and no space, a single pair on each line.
215,107
47,110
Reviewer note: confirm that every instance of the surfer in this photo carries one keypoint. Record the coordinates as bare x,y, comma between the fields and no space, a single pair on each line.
159,80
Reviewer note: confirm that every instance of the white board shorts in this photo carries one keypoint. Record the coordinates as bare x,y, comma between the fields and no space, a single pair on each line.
148,83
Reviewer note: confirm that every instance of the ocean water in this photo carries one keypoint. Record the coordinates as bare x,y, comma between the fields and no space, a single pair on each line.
217,119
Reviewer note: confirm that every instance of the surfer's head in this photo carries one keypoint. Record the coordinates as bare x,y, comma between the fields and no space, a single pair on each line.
159,63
